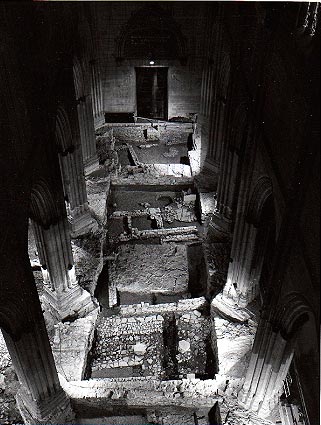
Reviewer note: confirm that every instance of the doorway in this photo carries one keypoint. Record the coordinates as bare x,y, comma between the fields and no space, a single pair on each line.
151,92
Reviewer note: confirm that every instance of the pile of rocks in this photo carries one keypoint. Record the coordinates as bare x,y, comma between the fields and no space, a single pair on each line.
207,204
234,343
179,211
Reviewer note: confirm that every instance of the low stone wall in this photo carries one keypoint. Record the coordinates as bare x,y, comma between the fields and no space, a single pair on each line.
146,308
144,180
172,133
142,392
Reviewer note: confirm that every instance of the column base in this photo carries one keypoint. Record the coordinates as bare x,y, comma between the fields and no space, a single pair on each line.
266,408
221,224
55,409
225,307
99,120
212,165
74,302
91,165
82,224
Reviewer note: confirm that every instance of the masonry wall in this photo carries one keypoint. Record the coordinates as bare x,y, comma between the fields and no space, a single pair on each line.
119,80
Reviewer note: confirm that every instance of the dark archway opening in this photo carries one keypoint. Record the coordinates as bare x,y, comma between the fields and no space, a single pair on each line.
151,92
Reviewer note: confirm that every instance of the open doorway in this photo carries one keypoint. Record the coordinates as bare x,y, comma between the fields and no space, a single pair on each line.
151,92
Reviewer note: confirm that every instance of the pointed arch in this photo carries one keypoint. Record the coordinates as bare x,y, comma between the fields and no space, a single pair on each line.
81,78
64,137
291,313
262,191
44,208
13,317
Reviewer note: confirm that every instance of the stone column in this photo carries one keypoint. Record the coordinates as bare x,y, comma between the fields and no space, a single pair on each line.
96,94
270,361
71,167
218,132
239,287
226,189
87,134
216,110
40,397
62,296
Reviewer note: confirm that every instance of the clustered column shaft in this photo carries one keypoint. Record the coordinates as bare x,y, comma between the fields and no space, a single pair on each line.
73,179
96,94
270,361
87,134
62,294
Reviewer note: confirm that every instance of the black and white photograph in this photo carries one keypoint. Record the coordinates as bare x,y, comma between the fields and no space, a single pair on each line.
159,212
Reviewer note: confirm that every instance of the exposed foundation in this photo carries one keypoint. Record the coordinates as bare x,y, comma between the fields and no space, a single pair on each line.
156,350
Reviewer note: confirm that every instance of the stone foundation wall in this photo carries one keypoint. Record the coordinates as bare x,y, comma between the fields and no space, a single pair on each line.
146,308
142,392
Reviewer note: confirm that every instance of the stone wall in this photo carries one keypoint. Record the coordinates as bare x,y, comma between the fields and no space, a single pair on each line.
170,133
142,392
118,78
179,306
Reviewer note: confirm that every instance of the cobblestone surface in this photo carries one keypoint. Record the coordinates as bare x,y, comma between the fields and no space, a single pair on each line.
135,344
193,330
